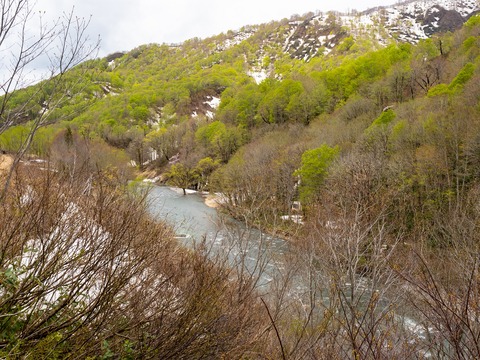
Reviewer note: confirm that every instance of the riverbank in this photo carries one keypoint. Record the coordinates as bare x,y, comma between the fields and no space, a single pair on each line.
286,227
210,199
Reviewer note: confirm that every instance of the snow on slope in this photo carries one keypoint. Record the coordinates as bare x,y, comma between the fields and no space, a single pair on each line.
413,20
409,21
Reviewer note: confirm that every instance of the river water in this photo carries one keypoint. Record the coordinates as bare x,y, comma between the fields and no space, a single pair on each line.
188,214
260,255
194,222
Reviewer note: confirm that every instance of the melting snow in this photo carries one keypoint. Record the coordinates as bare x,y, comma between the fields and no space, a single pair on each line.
210,114
258,76
323,39
235,40
401,18
214,102
297,219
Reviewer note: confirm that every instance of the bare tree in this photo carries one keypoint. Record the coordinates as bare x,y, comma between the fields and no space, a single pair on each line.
62,45
355,298
85,272
445,282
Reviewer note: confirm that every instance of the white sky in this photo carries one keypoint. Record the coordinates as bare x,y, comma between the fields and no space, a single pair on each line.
126,24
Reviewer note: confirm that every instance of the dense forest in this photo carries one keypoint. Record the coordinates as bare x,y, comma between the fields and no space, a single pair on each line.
363,154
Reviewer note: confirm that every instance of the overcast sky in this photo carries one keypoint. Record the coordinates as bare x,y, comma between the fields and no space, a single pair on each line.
126,24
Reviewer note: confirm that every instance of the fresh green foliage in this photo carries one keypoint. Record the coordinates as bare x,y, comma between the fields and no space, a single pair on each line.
210,133
384,119
440,89
314,169
182,176
473,22
457,84
463,76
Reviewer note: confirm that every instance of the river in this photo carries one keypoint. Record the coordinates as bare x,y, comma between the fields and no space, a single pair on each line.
261,255
194,222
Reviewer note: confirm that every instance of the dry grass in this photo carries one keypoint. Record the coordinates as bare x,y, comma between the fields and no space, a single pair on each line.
5,162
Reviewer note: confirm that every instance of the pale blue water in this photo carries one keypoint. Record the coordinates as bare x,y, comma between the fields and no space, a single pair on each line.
261,255
193,221
188,214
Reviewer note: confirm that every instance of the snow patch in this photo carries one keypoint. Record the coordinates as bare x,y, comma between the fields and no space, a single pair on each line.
214,102
180,191
209,114
297,219
152,181
235,40
258,76
404,20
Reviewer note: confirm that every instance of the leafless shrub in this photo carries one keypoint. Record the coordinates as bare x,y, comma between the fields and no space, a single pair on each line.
84,271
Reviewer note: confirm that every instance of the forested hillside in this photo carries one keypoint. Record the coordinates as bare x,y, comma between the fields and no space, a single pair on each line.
252,102
355,136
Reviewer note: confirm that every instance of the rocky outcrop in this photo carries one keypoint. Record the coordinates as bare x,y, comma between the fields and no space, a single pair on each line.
438,19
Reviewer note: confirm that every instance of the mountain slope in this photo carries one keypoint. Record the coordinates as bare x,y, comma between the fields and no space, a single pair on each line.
312,63
408,21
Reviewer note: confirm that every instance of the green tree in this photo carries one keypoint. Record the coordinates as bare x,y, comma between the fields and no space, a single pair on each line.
311,101
182,176
315,164
205,168
208,134
239,105
274,106
165,141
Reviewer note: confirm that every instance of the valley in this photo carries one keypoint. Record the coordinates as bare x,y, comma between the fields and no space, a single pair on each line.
354,136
